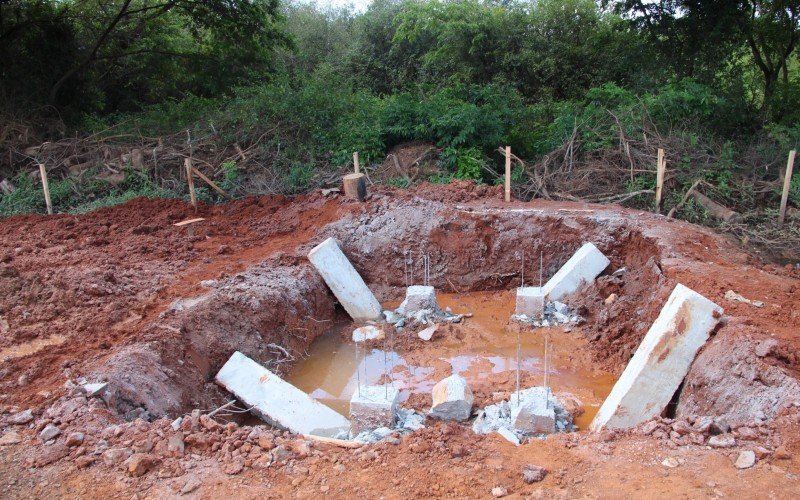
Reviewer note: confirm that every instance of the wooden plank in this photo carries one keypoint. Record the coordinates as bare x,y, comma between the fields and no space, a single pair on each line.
661,167
787,183
356,165
508,174
335,442
46,189
188,221
211,183
190,179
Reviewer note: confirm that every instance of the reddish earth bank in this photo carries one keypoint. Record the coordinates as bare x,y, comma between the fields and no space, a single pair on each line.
121,295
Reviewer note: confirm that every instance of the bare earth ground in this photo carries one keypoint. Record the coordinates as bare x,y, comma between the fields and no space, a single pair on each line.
122,295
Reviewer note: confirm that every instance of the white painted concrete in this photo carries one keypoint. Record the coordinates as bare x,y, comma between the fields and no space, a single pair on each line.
369,332
530,301
452,399
344,281
418,298
276,401
427,333
372,407
584,266
534,413
661,361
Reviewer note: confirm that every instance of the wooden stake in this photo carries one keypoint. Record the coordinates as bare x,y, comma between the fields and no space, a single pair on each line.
508,174
661,167
211,183
787,183
46,189
190,179
356,166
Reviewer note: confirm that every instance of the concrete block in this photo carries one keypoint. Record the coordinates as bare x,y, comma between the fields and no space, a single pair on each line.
372,407
369,332
661,361
277,401
344,281
534,412
584,266
418,298
530,301
452,399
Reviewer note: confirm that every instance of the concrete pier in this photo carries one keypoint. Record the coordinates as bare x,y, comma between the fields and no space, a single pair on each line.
345,282
530,301
661,361
373,406
277,401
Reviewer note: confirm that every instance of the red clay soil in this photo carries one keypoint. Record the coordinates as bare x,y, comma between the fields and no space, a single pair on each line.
121,294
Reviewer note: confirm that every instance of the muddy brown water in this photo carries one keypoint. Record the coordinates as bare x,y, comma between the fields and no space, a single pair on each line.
485,354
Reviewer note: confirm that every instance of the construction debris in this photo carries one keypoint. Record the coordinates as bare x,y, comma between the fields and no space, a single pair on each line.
731,295
373,406
530,302
539,414
369,332
452,399
584,266
420,306
661,361
278,402
344,281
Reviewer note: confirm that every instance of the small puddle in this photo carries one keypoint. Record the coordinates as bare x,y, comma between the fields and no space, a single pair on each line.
32,347
486,357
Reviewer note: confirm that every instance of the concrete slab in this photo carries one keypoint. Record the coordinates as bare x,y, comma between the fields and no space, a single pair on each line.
452,399
276,401
418,298
584,266
345,282
530,301
372,407
534,413
661,361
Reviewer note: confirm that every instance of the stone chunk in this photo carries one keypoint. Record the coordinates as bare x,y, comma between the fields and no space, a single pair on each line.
11,437
277,401
344,281
427,333
534,413
530,301
49,432
584,266
745,460
372,407
21,418
661,361
369,332
722,441
452,399
418,298
533,473
139,464
94,389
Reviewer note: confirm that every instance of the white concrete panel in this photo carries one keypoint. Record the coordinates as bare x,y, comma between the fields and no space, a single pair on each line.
277,401
345,282
661,361
584,266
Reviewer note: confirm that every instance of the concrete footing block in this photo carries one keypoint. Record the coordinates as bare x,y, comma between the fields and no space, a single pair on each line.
277,401
452,399
534,411
418,298
661,361
584,266
345,282
530,301
372,407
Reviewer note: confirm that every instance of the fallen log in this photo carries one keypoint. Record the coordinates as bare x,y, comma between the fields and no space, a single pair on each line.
716,210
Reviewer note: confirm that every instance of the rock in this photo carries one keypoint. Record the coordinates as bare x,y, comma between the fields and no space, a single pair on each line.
75,439
508,435
192,483
761,452
427,333
649,427
94,389
234,467
682,427
766,347
611,299
781,453
114,456
140,464
266,441
670,462
9,438
369,332
392,317
745,460
452,399
722,441
175,444
85,461
533,473
49,432
21,418
176,424
719,426
51,454
703,424
499,491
